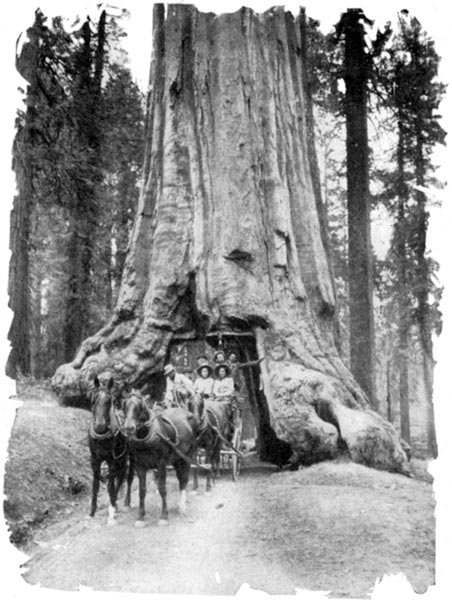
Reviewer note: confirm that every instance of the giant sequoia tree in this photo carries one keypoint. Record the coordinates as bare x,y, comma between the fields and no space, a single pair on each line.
228,236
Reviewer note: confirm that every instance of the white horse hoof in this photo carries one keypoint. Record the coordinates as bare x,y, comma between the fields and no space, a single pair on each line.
140,524
111,522
162,522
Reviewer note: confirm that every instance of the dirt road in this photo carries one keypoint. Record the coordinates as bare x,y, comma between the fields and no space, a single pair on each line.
333,526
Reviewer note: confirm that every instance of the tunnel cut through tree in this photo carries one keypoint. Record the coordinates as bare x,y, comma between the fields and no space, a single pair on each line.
228,234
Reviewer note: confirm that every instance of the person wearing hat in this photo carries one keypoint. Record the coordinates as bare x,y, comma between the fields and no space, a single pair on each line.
204,381
178,388
200,361
219,357
223,386
223,390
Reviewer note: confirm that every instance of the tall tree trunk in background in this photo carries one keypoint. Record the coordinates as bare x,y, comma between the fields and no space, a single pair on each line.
422,289
83,209
389,402
362,336
403,300
228,237
19,285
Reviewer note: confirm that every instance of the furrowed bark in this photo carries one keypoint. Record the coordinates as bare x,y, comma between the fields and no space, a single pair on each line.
228,235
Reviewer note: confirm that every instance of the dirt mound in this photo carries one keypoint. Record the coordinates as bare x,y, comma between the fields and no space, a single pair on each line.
47,468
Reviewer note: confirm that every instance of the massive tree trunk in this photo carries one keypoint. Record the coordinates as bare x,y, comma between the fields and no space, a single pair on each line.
228,237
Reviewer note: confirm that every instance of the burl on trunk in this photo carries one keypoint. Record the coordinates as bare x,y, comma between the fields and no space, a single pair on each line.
228,234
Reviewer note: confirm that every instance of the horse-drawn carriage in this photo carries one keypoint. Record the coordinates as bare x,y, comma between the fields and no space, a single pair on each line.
139,439
207,436
231,458
230,447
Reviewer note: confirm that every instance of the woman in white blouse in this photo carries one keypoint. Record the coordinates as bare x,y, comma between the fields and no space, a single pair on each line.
223,385
203,385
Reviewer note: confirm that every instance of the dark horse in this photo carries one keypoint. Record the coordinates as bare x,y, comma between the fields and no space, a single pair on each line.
213,427
107,443
159,440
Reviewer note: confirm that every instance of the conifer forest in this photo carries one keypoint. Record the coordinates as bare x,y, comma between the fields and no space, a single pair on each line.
86,157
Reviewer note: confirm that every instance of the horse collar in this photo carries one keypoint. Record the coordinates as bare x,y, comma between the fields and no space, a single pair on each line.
102,436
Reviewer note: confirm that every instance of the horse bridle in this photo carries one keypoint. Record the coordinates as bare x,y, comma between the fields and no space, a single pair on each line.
110,433
151,436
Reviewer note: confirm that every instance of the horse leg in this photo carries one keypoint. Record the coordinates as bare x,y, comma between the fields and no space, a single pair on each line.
121,469
112,492
209,461
195,479
210,478
130,474
161,482
95,465
182,472
141,472
216,449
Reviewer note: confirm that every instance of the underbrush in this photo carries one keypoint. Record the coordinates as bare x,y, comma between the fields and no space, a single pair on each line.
47,469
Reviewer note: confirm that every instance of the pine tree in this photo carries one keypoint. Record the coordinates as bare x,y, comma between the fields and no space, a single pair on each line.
416,97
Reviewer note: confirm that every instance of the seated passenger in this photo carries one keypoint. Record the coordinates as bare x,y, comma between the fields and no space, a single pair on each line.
200,361
203,385
178,388
219,358
223,385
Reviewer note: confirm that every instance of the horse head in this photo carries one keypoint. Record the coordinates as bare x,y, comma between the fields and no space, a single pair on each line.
196,405
101,406
136,413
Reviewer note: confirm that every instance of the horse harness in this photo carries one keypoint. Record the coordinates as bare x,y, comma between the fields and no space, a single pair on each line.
153,435
109,434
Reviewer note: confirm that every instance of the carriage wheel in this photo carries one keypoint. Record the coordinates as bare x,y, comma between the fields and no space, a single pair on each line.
236,460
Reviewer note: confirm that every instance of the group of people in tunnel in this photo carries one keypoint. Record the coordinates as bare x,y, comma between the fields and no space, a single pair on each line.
221,381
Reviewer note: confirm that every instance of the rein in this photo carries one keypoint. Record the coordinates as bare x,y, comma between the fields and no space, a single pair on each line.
184,456
153,435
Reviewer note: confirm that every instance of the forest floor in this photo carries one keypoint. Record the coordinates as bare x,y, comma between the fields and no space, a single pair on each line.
335,526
